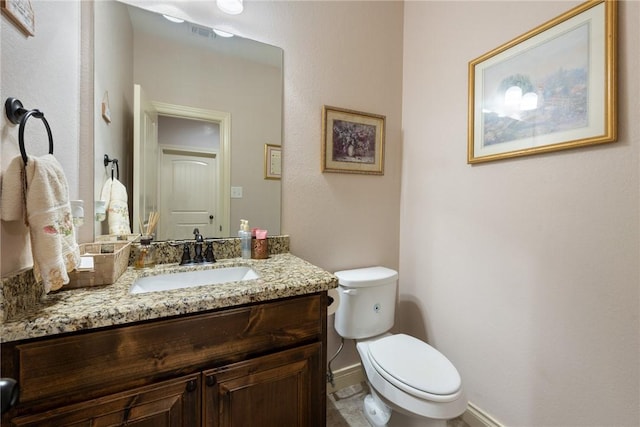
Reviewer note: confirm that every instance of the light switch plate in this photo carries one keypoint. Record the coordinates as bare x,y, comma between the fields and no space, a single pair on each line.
236,192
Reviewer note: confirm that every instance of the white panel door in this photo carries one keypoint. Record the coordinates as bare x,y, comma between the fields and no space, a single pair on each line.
188,195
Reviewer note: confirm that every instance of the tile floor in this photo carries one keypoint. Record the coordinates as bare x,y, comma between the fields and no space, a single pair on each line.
345,409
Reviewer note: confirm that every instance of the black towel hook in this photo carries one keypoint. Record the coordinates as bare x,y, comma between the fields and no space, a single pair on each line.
113,162
16,113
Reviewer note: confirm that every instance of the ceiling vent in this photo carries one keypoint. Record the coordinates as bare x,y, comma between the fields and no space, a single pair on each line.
205,32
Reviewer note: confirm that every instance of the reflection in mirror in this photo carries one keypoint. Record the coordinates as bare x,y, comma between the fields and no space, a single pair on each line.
188,114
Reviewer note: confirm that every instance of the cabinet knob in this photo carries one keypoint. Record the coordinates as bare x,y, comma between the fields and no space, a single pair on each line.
192,386
211,381
9,393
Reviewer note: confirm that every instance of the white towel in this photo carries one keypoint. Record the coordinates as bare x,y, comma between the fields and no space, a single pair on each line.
114,194
45,207
12,203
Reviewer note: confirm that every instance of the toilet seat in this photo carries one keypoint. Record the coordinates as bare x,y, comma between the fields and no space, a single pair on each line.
415,367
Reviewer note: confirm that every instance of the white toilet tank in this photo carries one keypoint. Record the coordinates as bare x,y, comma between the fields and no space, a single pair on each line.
367,302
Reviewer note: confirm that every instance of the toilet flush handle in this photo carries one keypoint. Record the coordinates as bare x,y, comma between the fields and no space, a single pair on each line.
350,291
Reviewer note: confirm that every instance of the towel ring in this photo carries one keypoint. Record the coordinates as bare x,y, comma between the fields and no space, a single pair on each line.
39,115
16,113
113,162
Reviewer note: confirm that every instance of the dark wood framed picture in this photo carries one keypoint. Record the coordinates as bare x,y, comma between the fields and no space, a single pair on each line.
352,141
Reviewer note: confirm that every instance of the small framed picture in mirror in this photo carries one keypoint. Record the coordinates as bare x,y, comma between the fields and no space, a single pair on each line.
20,12
272,161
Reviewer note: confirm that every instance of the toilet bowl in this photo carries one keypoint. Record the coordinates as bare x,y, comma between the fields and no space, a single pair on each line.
405,374
412,377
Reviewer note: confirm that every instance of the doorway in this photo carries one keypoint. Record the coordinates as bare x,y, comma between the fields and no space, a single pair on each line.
193,172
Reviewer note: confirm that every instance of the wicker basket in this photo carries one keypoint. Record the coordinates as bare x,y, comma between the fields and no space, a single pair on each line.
110,260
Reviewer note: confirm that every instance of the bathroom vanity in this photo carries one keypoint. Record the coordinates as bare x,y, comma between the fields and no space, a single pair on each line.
250,353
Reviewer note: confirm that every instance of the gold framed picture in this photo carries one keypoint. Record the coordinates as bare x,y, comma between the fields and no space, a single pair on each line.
352,141
272,161
550,89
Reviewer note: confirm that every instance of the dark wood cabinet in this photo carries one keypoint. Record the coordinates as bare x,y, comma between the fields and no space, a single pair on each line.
277,385
166,404
255,365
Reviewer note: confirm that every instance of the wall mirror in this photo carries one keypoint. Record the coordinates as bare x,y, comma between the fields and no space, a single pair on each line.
187,112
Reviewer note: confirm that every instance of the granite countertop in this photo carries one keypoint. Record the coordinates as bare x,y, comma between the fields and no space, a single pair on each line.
281,275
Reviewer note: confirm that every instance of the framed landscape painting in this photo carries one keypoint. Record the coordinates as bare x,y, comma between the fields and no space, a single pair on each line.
550,89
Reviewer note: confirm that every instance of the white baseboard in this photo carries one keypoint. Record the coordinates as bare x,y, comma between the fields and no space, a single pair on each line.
352,375
345,377
476,417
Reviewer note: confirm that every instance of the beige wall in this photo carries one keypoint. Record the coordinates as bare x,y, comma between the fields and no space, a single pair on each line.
43,72
343,54
523,272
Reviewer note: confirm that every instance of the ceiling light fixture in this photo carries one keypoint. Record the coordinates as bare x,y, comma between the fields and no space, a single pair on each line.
222,33
174,19
232,7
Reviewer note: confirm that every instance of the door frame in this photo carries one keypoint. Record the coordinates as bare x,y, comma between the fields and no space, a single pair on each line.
223,119
142,111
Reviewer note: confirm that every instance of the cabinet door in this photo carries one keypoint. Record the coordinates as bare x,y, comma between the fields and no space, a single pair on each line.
170,403
282,389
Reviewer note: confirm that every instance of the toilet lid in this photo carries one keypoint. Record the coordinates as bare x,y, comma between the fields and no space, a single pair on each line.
366,277
406,361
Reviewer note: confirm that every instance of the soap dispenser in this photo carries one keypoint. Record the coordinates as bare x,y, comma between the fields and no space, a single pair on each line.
245,239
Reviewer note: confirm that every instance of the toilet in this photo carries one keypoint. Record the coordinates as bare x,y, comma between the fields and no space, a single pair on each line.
404,373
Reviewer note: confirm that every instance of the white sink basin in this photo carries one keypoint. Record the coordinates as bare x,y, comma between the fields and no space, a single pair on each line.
189,279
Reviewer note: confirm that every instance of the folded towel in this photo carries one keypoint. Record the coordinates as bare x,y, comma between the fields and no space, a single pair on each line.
114,193
105,195
48,214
